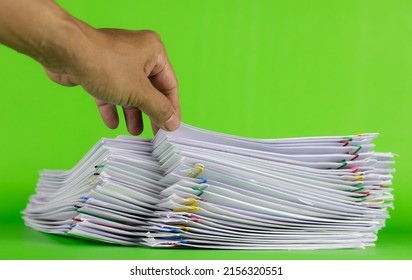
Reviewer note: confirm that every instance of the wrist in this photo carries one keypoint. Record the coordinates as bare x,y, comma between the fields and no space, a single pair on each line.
61,49
43,30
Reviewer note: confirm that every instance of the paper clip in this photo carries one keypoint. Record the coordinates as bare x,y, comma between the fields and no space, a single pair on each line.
358,188
170,229
200,169
192,201
355,169
195,219
177,241
365,193
360,178
355,156
345,143
344,163
204,180
200,191
375,200
99,166
174,240
91,181
183,227
359,148
190,210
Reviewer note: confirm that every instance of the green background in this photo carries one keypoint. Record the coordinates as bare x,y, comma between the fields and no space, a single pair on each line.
253,68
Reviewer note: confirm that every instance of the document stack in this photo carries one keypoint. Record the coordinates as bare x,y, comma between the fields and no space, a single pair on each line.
203,189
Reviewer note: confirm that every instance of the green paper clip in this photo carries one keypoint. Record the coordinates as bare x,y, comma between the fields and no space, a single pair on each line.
359,148
359,188
199,190
344,163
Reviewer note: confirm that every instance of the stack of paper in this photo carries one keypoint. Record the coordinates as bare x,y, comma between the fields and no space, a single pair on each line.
205,189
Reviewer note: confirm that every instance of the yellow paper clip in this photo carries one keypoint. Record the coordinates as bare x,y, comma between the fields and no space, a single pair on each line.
200,169
183,227
191,201
375,200
359,178
190,210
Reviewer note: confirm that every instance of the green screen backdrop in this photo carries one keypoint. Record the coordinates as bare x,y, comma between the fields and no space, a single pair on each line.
260,69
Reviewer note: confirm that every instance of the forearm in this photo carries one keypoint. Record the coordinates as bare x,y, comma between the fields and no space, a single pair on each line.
42,30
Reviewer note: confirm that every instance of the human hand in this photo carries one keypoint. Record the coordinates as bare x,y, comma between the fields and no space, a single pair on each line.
117,67
127,68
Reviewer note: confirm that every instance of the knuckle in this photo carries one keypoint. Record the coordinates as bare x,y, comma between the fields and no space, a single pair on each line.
153,36
131,100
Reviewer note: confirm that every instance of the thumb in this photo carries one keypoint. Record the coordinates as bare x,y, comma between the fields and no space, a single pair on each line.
158,107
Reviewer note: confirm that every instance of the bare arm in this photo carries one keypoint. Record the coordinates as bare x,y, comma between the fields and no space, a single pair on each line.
117,67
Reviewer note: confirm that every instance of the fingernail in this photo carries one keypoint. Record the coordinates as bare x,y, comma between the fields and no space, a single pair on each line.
172,123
